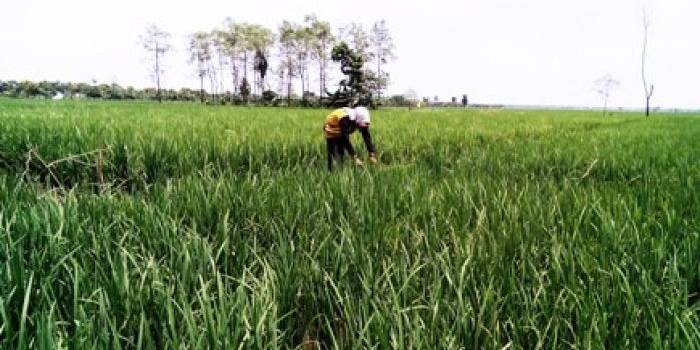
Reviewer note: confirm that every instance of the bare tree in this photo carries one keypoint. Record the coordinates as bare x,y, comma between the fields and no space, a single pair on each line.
221,51
156,42
226,44
288,49
648,88
200,50
603,86
323,41
382,52
245,41
232,36
300,40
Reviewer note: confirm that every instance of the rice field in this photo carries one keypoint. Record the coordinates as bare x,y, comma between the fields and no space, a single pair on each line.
178,226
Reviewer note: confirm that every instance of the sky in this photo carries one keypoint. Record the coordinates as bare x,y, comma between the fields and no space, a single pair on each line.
515,52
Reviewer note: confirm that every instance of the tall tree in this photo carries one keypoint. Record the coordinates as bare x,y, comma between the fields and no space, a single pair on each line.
245,45
156,42
219,58
260,40
382,52
226,46
232,36
648,88
304,48
200,54
323,40
288,42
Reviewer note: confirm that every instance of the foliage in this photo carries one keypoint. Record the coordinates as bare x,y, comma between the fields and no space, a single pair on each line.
269,96
354,89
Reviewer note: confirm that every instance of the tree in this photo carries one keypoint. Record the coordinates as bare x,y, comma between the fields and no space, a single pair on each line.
245,90
232,42
304,48
323,41
357,39
382,52
200,51
353,90
156,42
243,37
219,60
648,88
224,47
253,41
259,41
603,86
287,42
260,66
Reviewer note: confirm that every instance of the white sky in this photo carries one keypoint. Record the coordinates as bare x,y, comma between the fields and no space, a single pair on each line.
498,51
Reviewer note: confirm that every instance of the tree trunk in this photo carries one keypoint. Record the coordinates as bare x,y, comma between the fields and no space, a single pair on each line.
320,79
201,88
322,63
647,91
379,78
290,66
222,77
160,100
289,89
245,65
605,105
307,78
647,109
234,77
301,76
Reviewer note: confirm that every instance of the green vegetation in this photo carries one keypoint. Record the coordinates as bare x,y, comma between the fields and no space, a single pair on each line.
218,227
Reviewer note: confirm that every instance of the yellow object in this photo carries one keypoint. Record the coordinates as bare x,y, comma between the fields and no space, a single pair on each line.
332,127
358,161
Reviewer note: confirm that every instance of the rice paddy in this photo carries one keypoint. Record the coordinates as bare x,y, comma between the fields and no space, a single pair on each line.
179,226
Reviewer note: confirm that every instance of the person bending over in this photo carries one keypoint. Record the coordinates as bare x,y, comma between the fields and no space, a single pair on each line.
340,124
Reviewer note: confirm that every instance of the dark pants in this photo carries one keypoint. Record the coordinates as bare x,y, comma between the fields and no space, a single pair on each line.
336,148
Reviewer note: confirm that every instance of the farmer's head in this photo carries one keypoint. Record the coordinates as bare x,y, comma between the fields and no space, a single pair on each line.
362,118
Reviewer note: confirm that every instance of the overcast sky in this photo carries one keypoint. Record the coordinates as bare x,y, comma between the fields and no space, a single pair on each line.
544,52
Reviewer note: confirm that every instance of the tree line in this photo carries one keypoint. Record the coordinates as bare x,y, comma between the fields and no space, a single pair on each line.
116,92
237,59
240,62
57,89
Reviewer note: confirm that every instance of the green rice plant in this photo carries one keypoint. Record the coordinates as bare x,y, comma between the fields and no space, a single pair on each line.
145,226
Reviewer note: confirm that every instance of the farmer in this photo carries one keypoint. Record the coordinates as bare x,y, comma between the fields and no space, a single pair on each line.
337,129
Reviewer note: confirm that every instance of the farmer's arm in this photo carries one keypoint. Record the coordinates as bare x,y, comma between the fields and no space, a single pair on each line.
367,137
